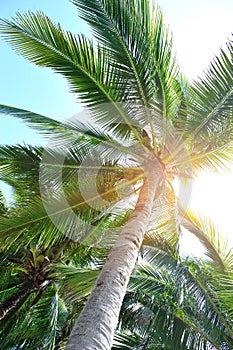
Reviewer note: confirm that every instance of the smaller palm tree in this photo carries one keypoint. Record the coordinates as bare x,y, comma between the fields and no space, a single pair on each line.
42,293
32,279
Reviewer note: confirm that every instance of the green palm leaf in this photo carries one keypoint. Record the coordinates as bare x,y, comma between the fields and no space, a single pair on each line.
217,246
211,98
39,122
135,35
46,44
75,283
3,203
214,158
86,68
63,134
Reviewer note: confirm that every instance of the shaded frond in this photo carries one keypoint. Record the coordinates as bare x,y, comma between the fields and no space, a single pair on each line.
168,303
75,283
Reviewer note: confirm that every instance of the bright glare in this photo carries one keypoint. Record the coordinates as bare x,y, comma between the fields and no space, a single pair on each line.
212,195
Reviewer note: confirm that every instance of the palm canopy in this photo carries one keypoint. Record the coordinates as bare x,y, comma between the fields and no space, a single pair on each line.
130,61
129,81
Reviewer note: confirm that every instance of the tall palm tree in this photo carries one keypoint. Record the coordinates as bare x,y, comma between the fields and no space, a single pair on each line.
153,126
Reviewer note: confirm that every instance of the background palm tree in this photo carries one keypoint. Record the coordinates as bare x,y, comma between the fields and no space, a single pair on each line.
43,289
40,300
131,62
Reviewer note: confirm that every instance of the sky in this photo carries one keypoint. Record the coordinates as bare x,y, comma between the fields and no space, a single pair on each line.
199,27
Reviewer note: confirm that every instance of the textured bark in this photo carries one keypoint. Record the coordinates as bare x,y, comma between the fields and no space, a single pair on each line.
95,327
14,299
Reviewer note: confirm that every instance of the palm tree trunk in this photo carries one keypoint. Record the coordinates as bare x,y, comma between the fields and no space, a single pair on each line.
14,299
98,320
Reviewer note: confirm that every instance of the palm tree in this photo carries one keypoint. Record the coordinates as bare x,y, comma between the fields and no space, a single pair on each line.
151,125
37,295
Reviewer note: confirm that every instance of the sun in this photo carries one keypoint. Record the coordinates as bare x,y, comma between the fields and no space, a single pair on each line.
212,194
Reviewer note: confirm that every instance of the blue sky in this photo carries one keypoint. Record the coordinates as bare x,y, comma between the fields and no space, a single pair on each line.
27,86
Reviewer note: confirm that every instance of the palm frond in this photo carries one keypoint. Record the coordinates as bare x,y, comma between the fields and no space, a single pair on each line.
75,283
39,122
214,158
211,100
164,228
3,203
125,341
46,44
36,328
137,39
34,223
51,222
216,245
113,23
65,134
19,168
87,68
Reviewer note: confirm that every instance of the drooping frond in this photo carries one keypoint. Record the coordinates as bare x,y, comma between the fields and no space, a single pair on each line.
35,223
164,228
55,219
210,109
75,283
39,122
214,158
37,326
66,133
216,245
19,167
